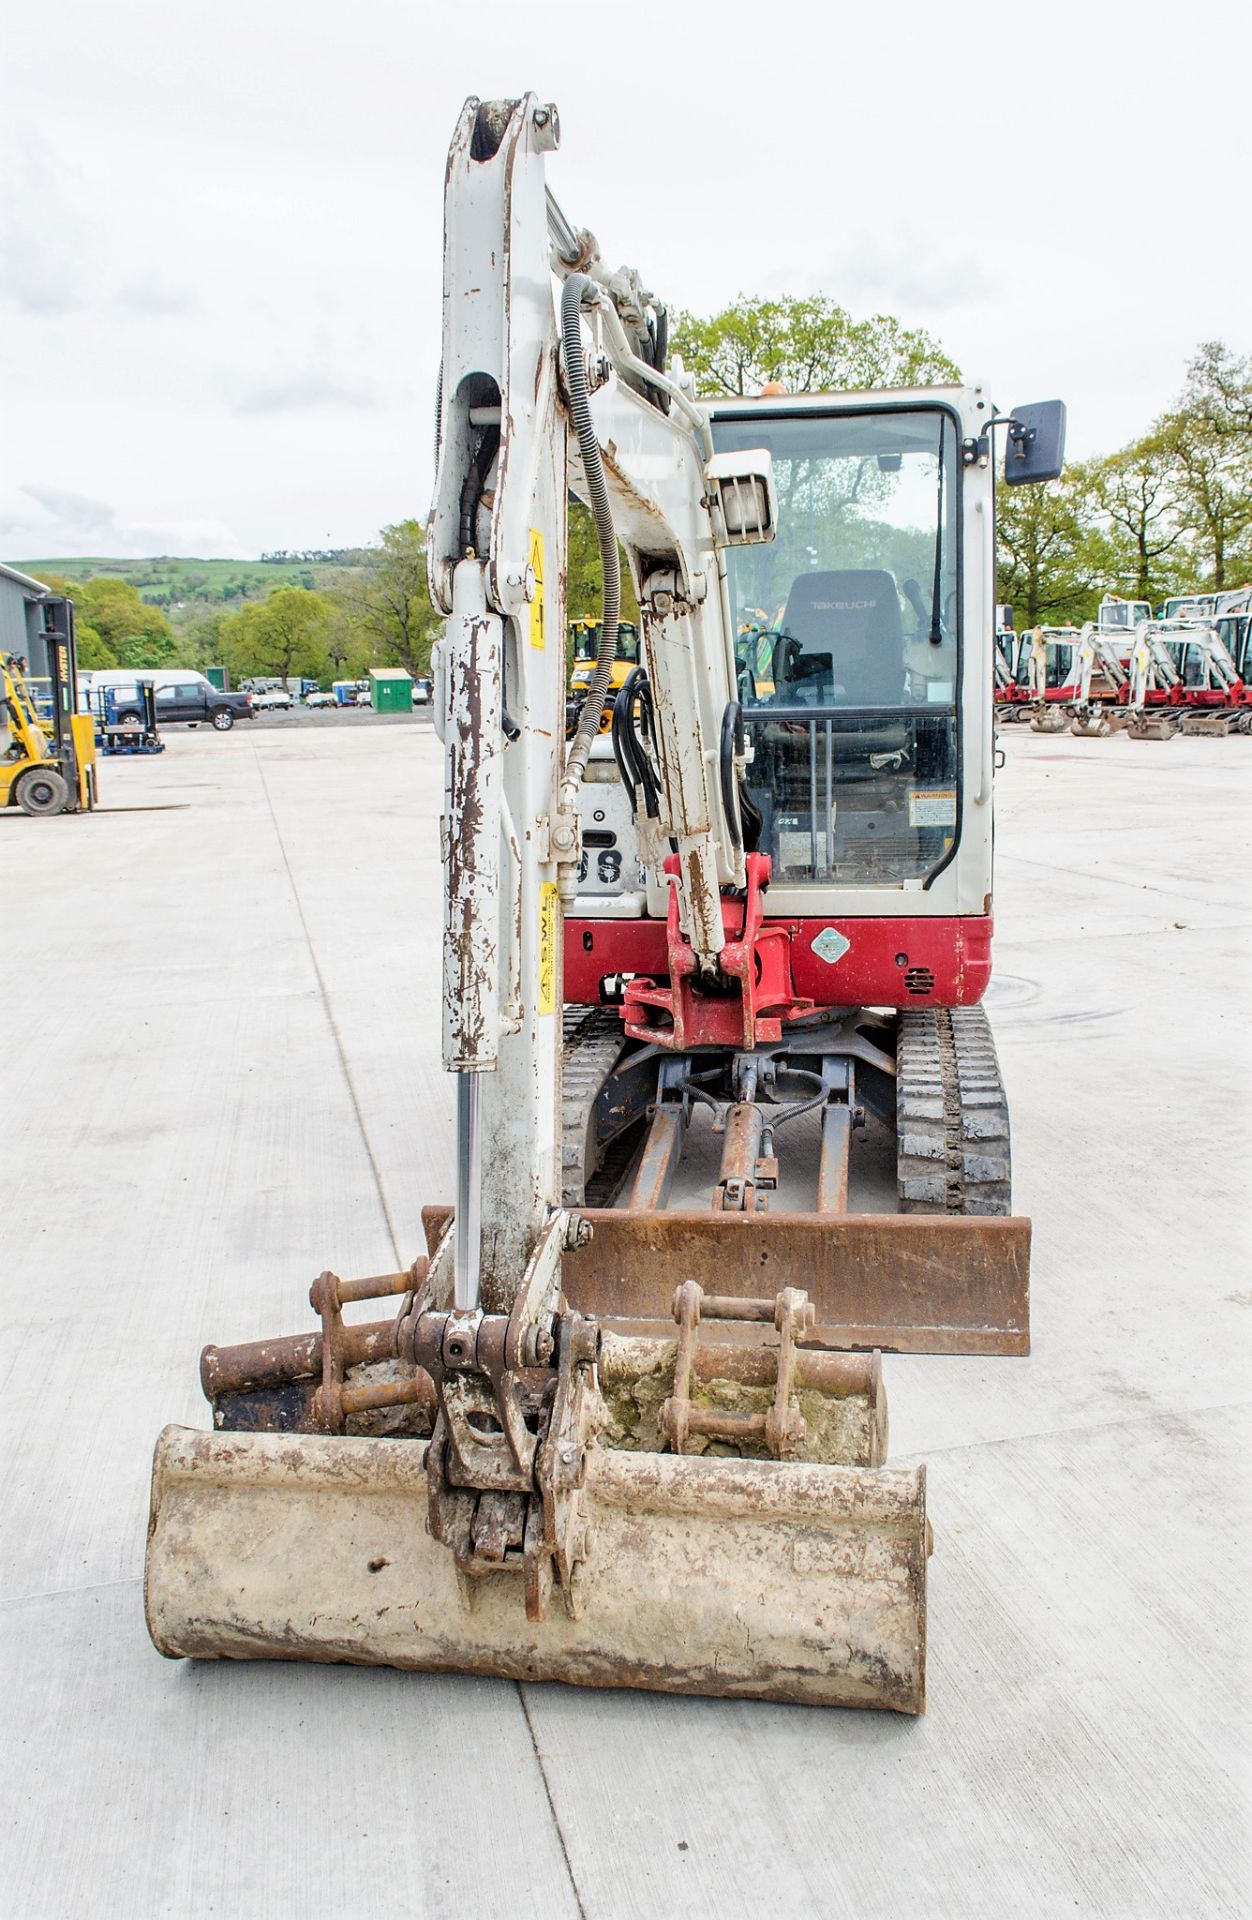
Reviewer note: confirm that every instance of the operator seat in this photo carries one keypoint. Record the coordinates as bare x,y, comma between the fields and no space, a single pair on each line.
849,639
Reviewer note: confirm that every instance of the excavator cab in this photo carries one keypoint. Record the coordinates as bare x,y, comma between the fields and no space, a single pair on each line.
1058,656
1234,631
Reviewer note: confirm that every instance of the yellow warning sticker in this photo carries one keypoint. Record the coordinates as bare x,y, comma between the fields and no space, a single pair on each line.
538,633
549,907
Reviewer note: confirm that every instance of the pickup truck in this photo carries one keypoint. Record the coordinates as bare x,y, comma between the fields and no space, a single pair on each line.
194,701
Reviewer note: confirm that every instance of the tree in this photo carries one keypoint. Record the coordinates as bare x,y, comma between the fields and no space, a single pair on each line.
1049,553
387,603
93,655
136,634
810,345
1219,390
200,636
1134,494
284,634
584,595
1207,440
1212,478
348,647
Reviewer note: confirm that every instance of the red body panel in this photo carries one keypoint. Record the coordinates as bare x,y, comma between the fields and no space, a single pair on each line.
758,994
1240,695
889,963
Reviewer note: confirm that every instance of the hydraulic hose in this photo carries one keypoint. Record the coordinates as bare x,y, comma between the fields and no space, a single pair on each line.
473,485
731,743
578,291
631,750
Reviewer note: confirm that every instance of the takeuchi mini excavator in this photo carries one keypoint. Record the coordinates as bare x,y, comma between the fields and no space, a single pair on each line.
1037,685
1183,678
1099,679
728,1114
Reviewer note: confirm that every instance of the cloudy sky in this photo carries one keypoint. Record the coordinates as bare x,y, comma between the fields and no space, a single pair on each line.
220,227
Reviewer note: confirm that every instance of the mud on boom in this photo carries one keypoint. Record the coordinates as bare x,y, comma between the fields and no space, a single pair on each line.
623,1422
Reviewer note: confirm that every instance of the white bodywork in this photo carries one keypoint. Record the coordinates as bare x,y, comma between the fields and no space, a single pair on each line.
502,998
1151,667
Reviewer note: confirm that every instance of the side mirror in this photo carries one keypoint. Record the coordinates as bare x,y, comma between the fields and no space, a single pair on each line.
1035,448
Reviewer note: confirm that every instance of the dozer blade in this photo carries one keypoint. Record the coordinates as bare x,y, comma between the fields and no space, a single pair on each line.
905,1283
756,1579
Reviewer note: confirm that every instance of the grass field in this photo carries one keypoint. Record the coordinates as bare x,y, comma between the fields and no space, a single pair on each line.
167,581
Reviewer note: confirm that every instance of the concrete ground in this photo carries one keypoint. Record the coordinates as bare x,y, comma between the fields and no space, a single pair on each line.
223,1074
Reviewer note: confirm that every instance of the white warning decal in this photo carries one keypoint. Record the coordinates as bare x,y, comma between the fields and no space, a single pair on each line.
830,945
936,808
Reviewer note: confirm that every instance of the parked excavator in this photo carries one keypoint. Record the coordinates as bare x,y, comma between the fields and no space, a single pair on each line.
1214,691
1098,682
1182,678
585,636
1043,678
1152,680
624,1423
1232,623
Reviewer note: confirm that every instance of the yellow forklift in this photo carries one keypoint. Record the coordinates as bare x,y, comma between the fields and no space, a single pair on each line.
42,771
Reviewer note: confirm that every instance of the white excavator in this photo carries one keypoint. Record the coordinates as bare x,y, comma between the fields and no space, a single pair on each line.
624,1422
1182,678
1045,672
1098,679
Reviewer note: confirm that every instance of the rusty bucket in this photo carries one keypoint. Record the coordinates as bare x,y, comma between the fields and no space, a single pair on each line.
755,1579
703,1506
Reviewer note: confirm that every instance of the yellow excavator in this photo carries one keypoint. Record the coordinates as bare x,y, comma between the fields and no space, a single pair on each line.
47,766
622,1422
585,648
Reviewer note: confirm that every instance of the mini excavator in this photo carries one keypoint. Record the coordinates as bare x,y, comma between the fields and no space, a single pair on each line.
623,1422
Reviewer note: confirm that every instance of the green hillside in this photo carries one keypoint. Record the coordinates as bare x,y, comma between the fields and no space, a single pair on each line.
173,583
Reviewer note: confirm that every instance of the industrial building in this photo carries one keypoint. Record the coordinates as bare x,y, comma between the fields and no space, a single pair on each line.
20,624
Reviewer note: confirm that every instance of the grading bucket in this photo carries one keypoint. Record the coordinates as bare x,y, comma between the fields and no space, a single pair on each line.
758,1579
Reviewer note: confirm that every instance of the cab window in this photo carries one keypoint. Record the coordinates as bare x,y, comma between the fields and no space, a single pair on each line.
847,643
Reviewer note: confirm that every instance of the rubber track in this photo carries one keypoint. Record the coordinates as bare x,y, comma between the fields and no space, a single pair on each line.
952,1118
594,1038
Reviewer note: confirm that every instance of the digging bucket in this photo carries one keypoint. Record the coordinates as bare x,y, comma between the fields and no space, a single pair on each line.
755,1579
